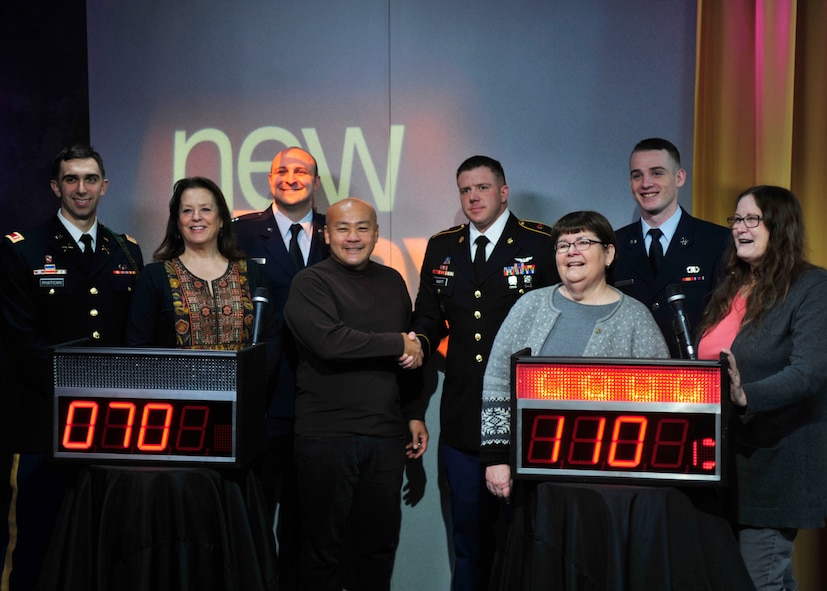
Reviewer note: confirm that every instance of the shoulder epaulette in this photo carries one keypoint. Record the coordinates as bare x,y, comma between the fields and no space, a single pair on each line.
131,239
15,237
453,230
536,227
250,215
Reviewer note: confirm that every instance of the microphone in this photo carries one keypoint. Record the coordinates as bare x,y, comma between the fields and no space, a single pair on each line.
676,299
260,300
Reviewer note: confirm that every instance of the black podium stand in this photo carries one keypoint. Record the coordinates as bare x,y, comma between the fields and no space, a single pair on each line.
590,537
164,498
606,454
159,529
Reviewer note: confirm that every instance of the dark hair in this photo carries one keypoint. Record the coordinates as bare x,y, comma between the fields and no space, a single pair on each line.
586,221
656,143
173,244
483,161
781,264
77,151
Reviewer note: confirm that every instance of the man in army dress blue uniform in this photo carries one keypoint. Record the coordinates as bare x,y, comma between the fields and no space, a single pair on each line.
473,293
66,279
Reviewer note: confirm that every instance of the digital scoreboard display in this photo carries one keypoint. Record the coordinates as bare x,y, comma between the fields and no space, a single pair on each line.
589,419
134,427
158,406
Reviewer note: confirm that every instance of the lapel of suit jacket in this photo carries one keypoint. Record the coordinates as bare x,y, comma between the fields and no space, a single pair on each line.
675,260
461,255
637,259
274,243
60,241
318,248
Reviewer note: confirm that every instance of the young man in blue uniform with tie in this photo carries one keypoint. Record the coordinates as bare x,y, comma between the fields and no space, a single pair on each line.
667,246
69,278
471,276
284,238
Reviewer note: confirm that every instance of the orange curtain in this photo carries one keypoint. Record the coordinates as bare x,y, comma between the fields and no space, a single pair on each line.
761,118
761,106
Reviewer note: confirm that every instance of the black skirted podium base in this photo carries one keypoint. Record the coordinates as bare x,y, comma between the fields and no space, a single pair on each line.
573,537
156,529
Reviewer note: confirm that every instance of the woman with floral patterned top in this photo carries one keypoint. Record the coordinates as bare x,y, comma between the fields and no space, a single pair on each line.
198,294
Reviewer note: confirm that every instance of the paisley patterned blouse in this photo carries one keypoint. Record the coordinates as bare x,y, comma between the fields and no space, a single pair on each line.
220,318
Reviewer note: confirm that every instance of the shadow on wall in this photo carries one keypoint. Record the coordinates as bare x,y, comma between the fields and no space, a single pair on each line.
423,559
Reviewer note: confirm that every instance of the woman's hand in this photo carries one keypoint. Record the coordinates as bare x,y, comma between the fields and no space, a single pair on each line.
736,392
498,481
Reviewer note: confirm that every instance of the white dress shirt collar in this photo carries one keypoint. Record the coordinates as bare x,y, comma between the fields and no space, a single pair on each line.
493,233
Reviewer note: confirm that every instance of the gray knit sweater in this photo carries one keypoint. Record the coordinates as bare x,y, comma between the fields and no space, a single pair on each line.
629,331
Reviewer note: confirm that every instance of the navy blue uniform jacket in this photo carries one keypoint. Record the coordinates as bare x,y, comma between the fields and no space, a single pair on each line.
259,238
522,260
51,295
694,260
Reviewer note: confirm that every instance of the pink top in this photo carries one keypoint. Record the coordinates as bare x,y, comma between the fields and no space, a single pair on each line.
722,334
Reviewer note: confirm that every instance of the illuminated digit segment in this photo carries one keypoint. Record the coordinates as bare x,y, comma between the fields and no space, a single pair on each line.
670,442
192,432
703,453
114,411
70,441
539,441
152,427
580,443
636,442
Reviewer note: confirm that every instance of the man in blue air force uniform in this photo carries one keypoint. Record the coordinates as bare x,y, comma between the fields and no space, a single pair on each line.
687,251
283,239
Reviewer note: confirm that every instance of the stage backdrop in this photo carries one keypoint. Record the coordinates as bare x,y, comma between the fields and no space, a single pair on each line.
390,96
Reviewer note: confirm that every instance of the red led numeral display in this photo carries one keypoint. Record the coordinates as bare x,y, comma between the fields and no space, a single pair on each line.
115,426
81,420
617,441
117,429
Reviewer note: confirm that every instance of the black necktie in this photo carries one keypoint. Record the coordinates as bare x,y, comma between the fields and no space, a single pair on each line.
87,246
655,250
295,251
479,255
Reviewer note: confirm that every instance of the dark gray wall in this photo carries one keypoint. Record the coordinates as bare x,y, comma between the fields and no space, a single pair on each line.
44,102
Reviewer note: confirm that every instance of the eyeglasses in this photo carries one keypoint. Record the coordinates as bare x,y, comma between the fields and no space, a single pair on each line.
750,221
579,245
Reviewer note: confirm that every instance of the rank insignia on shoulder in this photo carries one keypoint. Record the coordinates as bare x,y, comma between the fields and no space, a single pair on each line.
131,239
15,237
536,227
453,230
